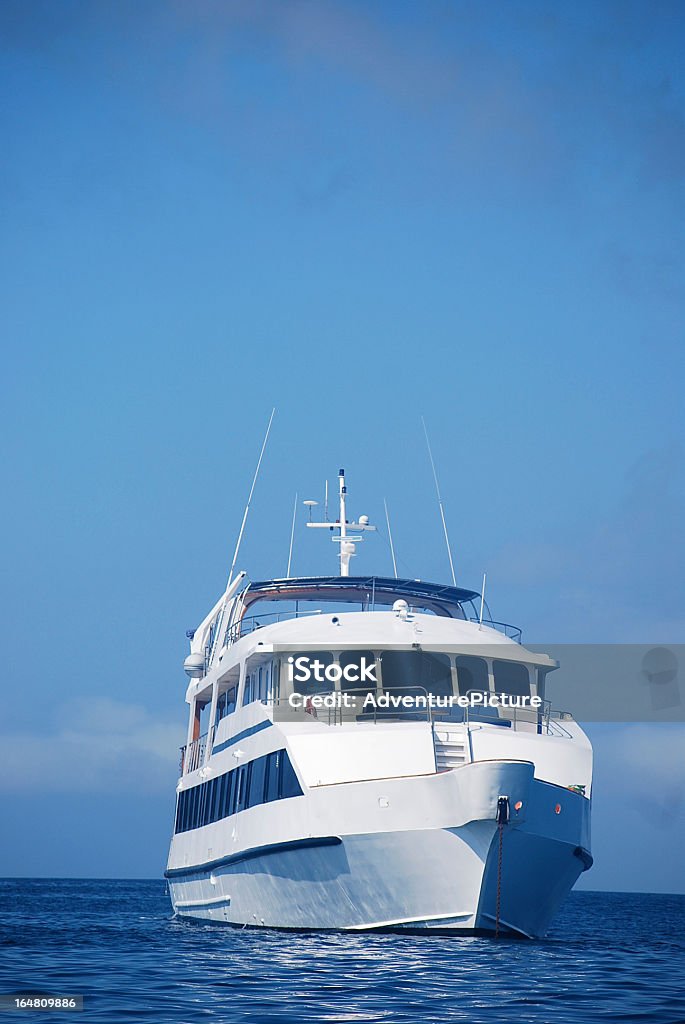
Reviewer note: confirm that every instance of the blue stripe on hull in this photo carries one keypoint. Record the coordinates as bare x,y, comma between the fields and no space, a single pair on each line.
256,851
240,736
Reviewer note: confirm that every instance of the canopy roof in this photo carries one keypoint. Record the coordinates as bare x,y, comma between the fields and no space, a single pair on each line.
436,597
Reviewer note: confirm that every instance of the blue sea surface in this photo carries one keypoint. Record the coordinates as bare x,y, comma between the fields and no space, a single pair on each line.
616,957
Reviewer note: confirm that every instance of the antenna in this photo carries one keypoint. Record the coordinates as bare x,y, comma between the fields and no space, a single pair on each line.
482,601
325,504
442,510
392,546
292,538
247,507
347,541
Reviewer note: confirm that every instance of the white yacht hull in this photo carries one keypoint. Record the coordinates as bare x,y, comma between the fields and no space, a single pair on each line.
435,867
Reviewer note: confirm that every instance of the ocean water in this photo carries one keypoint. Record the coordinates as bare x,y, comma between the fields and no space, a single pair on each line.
610,957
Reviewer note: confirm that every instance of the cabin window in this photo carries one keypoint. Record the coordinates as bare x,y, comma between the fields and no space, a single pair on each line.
407,671
267,778
264,683
243,785
257,778
259,683
229,804
436,673
216,802
226,703
359,670
276,679
511,677
273,771
308,672
472,674
289,784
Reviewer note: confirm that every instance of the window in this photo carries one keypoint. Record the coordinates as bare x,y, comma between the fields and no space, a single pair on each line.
360,671
273,771
216,802
511,677
194,801
267,778
306,667
243,785
229,803
258,683
436,673
413,671
257,778
264,684
289,784
226,703
472,674
401,672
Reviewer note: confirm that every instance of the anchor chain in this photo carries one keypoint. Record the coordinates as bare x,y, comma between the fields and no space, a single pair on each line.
502,820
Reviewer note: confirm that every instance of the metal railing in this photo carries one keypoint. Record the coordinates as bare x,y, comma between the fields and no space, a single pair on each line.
543,721
513,632
252,622
340,713
193,753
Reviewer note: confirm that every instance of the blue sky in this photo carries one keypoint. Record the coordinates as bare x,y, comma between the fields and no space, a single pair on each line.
360,214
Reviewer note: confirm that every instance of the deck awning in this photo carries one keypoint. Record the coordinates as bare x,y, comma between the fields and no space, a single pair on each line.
436,597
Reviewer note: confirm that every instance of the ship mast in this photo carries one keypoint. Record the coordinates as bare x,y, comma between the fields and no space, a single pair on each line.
347,541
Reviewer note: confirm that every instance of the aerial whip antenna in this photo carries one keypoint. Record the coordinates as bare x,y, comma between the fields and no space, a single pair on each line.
482,601
247,507
392,546
292,538
440,504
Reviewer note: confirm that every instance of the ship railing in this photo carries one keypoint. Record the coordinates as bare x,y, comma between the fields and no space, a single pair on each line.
513,632
193,754
370,712
252,622
545,720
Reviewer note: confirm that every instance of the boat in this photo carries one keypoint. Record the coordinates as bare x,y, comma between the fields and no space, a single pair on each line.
373,753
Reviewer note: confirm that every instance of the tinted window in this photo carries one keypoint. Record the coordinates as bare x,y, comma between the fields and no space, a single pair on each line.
436,673
313,663
226,703
231,790
400,671
355,665
243,787
194,806
267,778
256,795
472,674
216,802
273,770
404,671
289,784
511,677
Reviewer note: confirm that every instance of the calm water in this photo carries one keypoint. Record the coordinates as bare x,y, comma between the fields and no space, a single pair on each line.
610,957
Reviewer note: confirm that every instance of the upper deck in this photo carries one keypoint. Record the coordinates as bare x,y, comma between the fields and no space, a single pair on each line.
368,592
